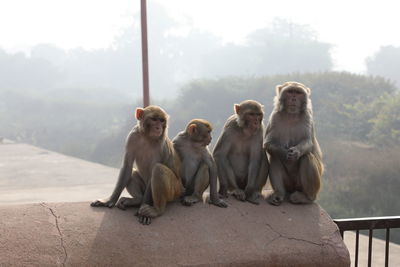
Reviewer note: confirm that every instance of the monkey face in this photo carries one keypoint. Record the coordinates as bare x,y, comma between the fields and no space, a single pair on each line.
206,138
155,126
152,121
294,100
200,132
250,114
253,119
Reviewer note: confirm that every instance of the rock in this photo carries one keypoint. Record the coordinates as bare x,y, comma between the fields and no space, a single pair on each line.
75,234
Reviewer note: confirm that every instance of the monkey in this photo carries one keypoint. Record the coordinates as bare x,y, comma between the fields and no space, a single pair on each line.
241,161
295,156
156,179
198,169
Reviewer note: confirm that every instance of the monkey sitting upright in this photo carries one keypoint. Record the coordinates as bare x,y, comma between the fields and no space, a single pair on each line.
242,163
198,166
156,179
295,156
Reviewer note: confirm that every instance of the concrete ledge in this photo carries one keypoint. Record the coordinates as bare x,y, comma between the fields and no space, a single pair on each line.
75,234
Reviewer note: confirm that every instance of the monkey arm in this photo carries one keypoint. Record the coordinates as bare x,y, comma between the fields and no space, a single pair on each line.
189,171
212,166
305,146
214,198
272,145
254,166
123,179
224,168
124,176
274,148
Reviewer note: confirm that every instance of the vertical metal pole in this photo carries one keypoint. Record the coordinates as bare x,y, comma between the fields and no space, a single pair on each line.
357,248
145,57
370,248
387,247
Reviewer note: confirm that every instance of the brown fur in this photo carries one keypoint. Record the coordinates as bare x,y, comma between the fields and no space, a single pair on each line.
198,166
295,156
156,180
242,163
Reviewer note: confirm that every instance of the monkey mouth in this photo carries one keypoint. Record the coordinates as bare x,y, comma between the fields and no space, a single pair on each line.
156,133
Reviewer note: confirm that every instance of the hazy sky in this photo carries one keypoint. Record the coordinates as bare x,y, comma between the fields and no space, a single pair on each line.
357,28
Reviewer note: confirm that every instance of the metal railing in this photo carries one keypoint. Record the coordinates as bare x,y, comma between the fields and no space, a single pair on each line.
357,224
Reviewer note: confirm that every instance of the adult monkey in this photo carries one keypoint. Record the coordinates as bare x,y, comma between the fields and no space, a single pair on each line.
198,166
295,156
242,163
156,179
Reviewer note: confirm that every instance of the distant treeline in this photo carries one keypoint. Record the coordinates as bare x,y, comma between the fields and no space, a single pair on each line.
81,103
357,120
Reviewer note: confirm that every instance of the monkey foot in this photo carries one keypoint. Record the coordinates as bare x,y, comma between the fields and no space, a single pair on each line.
239,194
125,202
189,200
223,193
219,203
275,199
103,203
254,198
299,198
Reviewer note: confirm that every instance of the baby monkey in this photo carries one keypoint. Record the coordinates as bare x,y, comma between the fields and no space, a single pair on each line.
198,170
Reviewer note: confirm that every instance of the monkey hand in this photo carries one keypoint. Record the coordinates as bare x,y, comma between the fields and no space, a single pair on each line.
218,202
104,203
239,194
293,154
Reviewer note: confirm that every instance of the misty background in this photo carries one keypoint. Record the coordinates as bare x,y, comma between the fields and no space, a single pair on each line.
81,102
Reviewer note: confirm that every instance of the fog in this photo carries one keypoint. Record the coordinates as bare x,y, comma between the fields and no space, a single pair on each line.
79,100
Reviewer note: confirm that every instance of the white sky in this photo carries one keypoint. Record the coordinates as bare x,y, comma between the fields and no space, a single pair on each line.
357,28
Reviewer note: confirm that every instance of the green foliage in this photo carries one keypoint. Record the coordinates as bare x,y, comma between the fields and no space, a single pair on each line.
360,180
345,105
386,125
362,111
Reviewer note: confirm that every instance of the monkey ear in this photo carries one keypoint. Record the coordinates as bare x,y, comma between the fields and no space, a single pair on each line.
192,128
237,108
279,89
139,113
308,91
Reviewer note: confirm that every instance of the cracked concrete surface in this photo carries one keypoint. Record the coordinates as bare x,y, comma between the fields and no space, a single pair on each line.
75,234
59,232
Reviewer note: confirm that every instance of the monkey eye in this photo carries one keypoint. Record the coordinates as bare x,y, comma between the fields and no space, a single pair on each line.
157,119
254,114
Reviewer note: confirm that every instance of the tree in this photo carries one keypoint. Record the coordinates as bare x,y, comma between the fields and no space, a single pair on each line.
386,124
385,63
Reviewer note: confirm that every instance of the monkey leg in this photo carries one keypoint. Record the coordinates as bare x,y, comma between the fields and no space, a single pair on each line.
223,181
310,172
201,182
165,187
135,188
277,175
